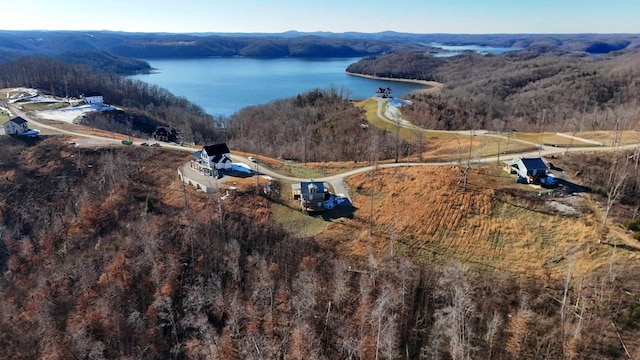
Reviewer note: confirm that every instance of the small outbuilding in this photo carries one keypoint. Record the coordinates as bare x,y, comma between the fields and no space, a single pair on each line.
530,170
16,126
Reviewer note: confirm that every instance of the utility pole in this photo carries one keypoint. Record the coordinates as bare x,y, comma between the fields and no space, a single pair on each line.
544,113
257,174
373,175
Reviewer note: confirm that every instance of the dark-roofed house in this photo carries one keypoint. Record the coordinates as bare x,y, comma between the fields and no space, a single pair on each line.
16,126
93,97
530,169
312,195
383,93
212,158
165,133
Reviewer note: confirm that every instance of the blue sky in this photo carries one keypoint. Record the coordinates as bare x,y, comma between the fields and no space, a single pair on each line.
415,16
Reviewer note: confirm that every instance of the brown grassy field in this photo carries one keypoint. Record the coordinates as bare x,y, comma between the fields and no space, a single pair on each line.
606,137
36,106
551,138
495,224
4,117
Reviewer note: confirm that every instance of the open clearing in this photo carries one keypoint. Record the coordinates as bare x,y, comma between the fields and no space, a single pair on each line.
40,106
551,138
371,107
495,224
607,137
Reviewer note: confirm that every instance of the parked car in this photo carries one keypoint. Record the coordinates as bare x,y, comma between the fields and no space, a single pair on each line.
144,144
155,145
127,142
252,159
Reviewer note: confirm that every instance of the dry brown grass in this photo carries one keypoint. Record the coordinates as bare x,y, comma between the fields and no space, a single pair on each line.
606,137
487,226
551,138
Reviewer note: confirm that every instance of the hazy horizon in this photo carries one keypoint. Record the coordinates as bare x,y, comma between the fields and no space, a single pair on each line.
253,16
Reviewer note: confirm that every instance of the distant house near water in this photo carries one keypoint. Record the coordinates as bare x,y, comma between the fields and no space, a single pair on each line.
16,126
93,97
165,133
211,159
383,93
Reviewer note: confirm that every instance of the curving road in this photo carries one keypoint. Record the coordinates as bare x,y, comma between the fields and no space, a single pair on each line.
338,180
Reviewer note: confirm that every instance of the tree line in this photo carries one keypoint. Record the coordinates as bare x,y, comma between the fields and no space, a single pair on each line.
141,100
320,125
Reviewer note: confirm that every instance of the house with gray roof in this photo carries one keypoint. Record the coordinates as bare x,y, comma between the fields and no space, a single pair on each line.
16,126
529,169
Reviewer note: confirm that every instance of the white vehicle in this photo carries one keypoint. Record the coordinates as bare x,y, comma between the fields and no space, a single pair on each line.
252,159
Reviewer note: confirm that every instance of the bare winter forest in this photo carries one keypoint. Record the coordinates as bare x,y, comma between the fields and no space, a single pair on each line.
105,254
524,90
116,260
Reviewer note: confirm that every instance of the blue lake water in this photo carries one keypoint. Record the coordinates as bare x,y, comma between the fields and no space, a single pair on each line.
453,50
226,85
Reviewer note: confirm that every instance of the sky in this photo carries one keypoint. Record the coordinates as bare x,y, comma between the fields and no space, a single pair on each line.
412,16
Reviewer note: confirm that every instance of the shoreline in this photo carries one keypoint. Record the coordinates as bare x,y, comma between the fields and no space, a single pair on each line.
433,86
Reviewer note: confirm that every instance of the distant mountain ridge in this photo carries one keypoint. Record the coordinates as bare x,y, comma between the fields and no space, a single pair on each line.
88,46
113,50
595,43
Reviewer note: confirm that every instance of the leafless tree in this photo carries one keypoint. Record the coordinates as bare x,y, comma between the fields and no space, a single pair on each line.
494,325
617,176
455,319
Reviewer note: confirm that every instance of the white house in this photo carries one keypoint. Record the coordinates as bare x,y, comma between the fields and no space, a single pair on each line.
212,158
16,126
93,97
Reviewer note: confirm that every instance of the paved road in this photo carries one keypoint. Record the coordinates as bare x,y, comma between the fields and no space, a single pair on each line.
410,126
338,180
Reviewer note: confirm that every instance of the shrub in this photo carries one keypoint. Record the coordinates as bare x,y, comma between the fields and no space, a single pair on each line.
633,225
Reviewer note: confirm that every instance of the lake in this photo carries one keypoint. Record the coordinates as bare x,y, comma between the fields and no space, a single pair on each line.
453,50
226,85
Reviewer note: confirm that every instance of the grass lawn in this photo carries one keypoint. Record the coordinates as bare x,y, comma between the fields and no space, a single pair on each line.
371,108
549,138
4,117
606,137
297,221
36,106
490,145
292,218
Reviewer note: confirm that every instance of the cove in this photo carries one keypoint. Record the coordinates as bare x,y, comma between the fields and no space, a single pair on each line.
222,86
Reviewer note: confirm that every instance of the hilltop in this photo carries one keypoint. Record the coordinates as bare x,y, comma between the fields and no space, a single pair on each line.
105,253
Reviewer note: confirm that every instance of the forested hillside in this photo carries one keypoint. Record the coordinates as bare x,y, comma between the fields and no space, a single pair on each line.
523,90
145,104
321,125
104,255
96,48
